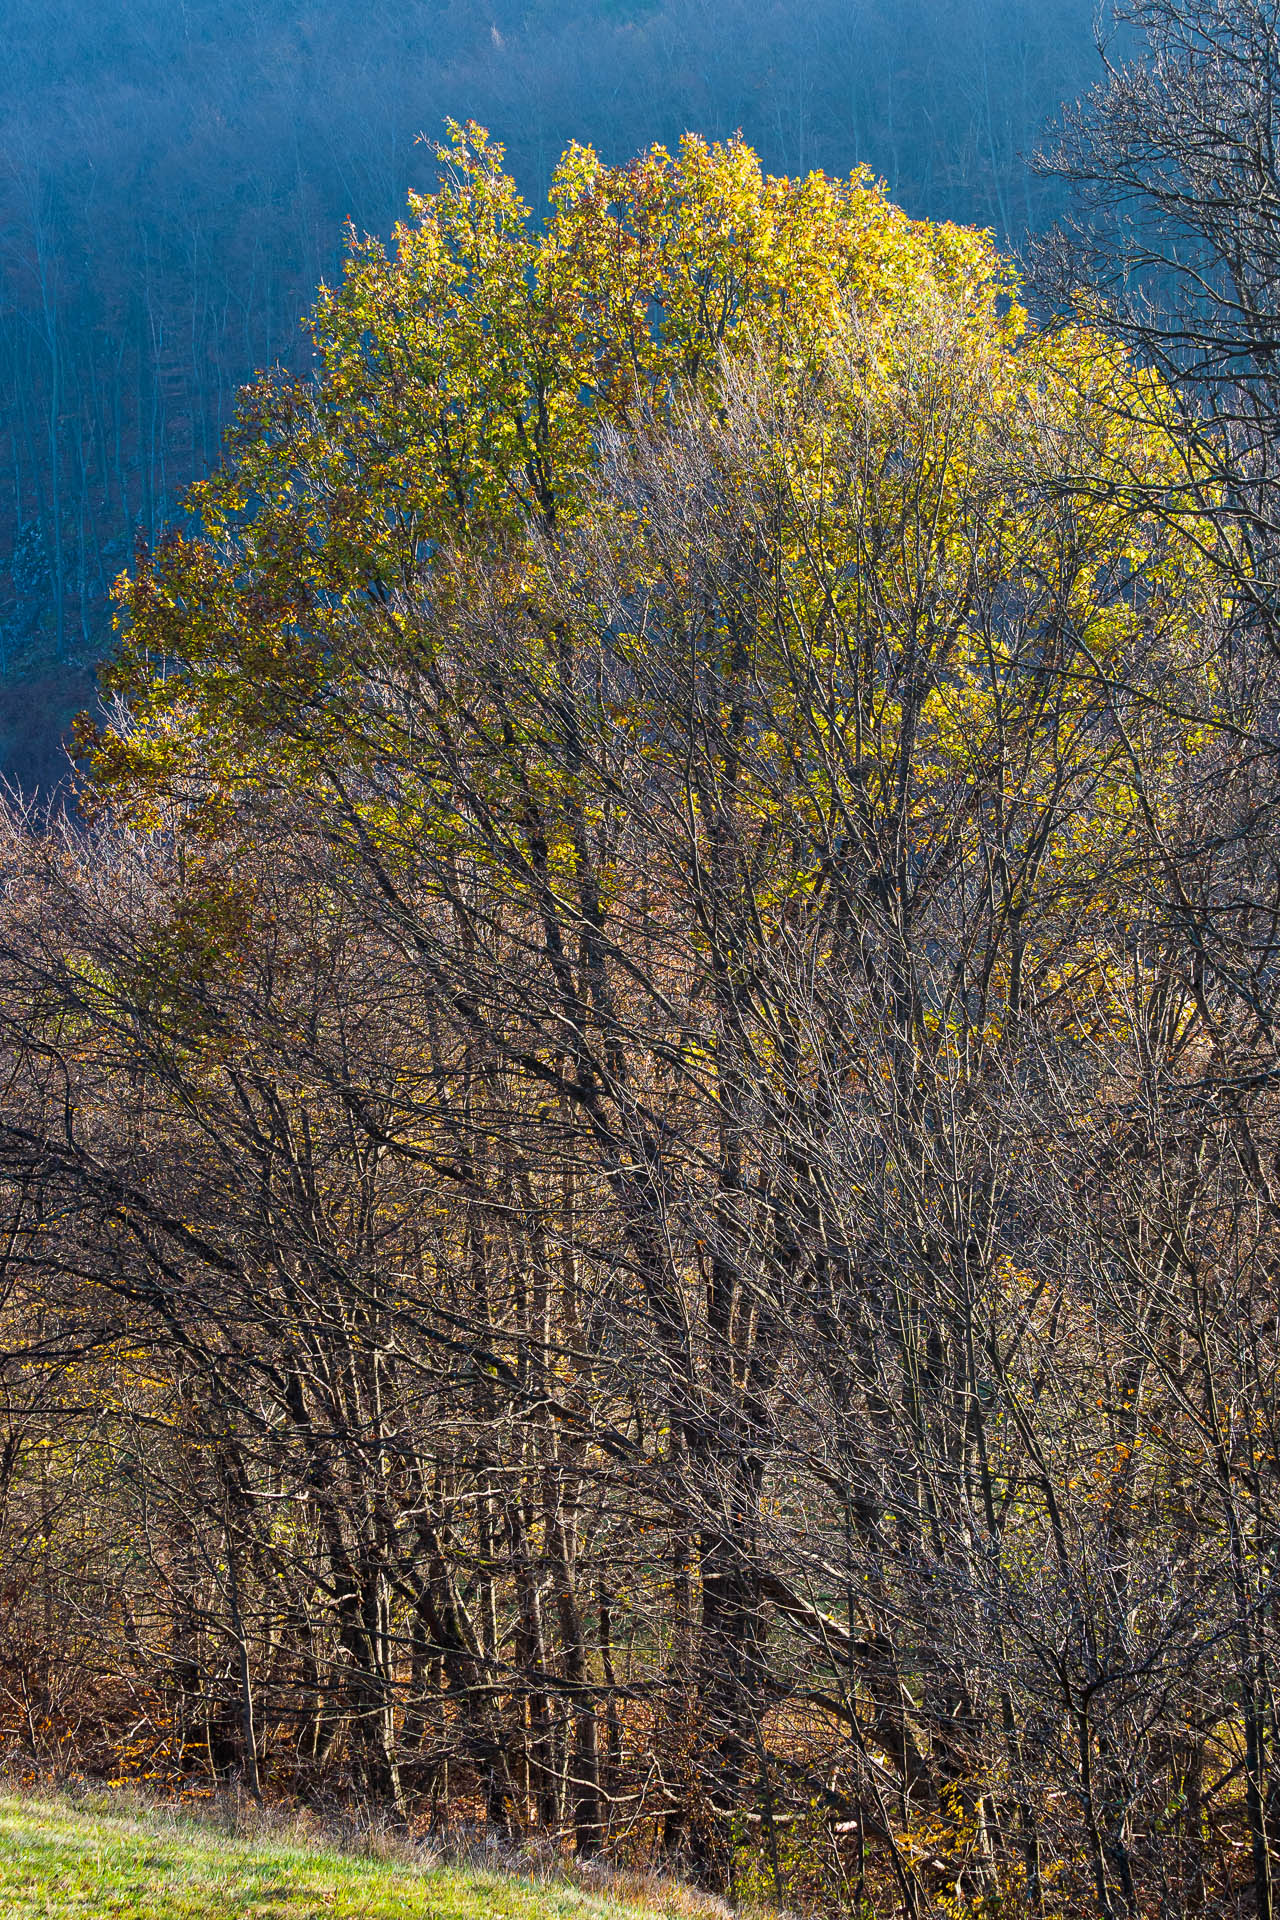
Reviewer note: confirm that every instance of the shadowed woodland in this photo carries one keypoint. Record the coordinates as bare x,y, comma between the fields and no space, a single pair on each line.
175,179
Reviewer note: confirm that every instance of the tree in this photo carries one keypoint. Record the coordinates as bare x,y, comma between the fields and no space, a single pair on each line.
1176,241
619,1047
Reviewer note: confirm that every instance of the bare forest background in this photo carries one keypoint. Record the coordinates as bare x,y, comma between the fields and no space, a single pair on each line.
175,180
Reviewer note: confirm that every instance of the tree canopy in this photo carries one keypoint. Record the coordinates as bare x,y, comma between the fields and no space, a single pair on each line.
653,1088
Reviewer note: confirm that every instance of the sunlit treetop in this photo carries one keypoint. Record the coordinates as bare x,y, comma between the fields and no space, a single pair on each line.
462,376
463,386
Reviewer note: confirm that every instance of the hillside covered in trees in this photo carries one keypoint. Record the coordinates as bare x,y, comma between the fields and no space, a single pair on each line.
176,179
640,1152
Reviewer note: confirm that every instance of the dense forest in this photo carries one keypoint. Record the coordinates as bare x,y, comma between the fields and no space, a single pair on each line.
640,1147
175,182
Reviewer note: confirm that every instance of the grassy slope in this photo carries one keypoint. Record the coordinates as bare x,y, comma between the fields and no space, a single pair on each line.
59,1861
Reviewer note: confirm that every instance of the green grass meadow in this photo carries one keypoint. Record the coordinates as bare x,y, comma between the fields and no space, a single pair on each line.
101,1862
